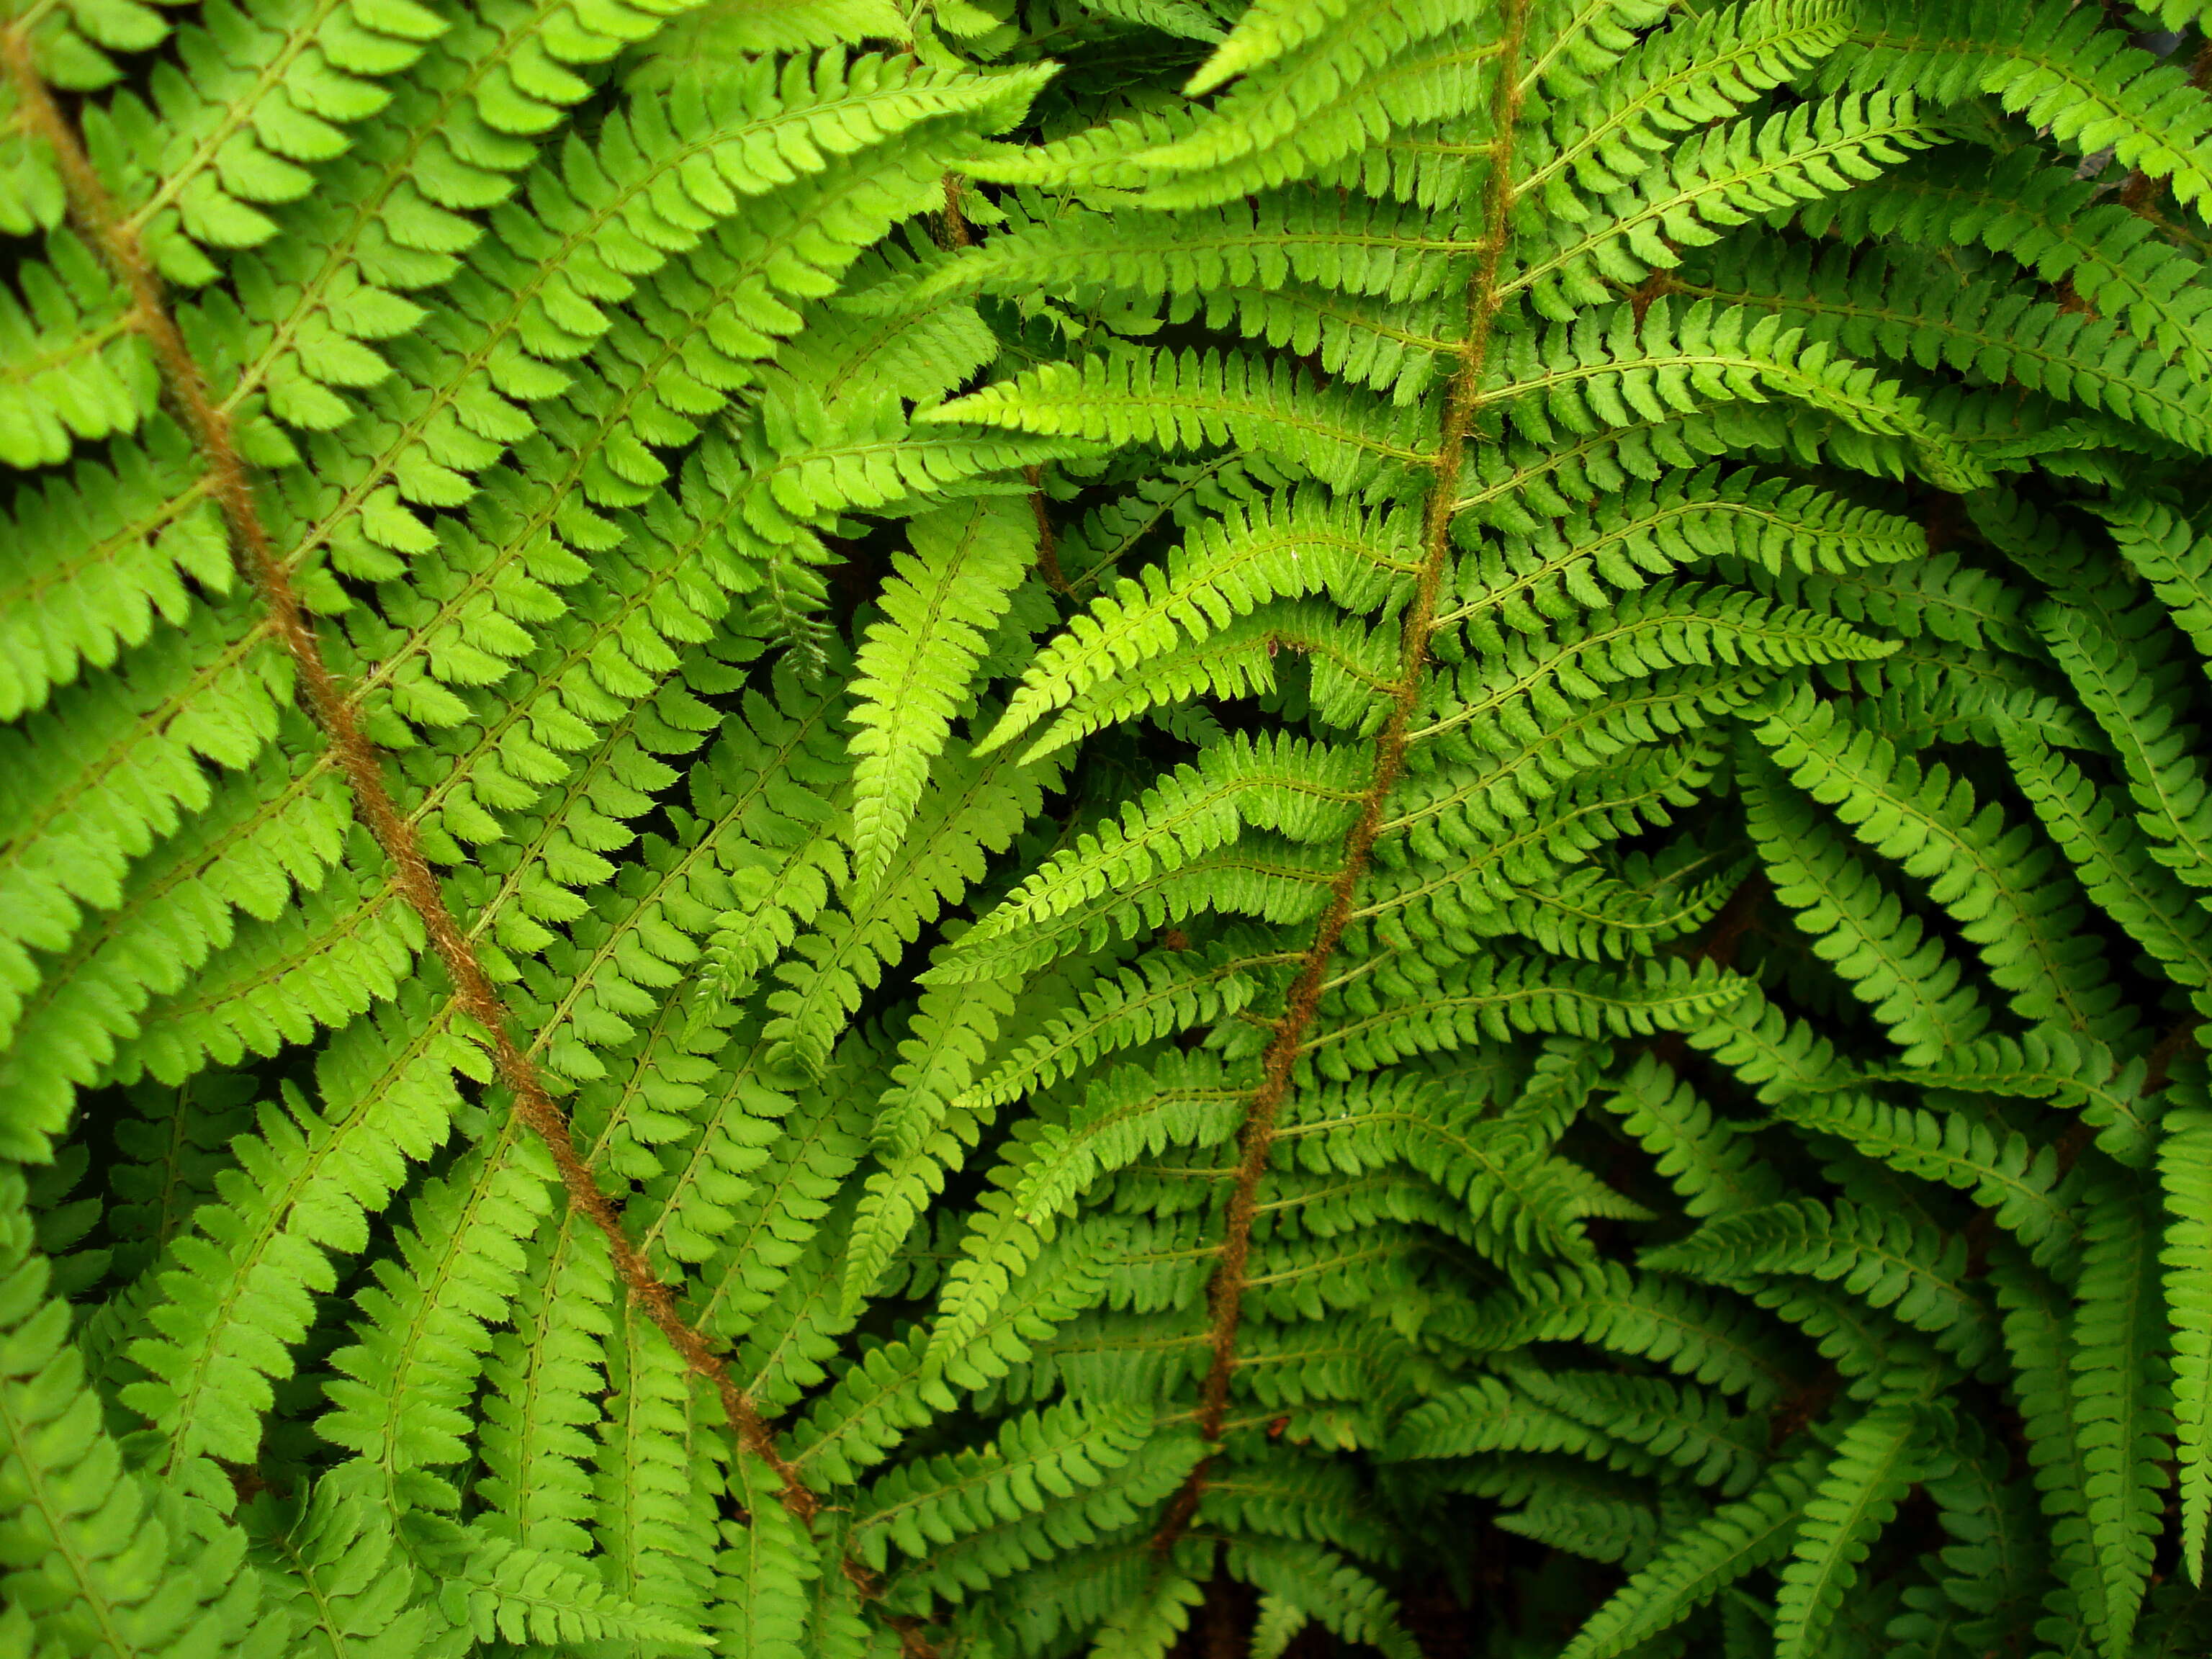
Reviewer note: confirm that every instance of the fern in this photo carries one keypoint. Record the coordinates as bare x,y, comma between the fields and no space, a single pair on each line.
1068,827
1857,1495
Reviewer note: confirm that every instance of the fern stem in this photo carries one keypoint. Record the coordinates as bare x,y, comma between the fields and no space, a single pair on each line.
1225,1292
1047,544
94,211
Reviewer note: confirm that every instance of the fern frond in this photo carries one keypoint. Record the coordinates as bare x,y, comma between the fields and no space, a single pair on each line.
2121,1400
1857,1495
1893,1262
96,1554
543,1378
2056,69
761,1574
1304,108
1284,549
2132,707
1736,1540
920,1135
1616,369
95,558
1711,183
2003,889
1644,1317
1859,927
786,1203
1658,529
1185,1101
975,806
924,1506
1713,1167
2119,870
1872,304
1352,669
2182,1176
1066,1527
1164,991
912,674
2038,1344
343,1576
1306,793
1376,1022
1505,698
1518,1196
890,1390
2051,221
2011,1180
399,1401
1673,81
1080,759
1146,1626
1338,243
1345,1600
235,1291
1188,401
506,1591
1685,1427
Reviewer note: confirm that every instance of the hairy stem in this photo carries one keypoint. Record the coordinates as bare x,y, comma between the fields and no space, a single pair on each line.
94,211
1225,1292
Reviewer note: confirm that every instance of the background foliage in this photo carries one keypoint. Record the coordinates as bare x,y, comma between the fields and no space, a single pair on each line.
1020,827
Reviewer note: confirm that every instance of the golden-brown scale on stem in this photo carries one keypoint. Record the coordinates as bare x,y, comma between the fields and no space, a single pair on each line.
90,204
1225,1293
1047,544
958,233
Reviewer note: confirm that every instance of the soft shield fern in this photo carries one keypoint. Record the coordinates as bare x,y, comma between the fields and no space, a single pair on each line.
1028,828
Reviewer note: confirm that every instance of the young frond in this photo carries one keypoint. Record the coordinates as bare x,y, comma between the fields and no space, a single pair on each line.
1305,793
912,675
1226,568
1187,400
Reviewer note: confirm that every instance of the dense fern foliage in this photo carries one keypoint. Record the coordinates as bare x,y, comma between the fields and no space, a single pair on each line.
1015,828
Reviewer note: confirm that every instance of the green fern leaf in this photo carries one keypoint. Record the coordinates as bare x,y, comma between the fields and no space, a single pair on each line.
95,1557
2181,1171
1186,401
1875,1463
912,673
2120,1402
1738,1539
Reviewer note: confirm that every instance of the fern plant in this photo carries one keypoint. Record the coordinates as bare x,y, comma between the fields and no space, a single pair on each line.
1027,829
